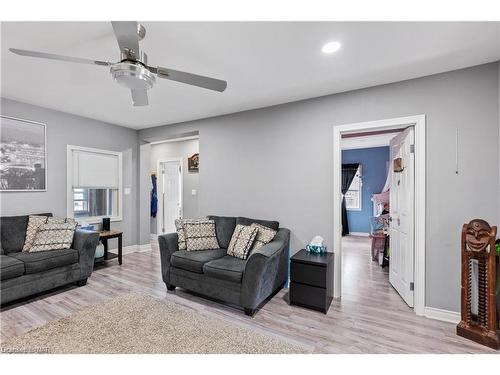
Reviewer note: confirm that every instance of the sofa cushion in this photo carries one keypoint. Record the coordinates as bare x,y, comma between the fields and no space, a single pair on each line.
200,235
247,221
10,267
46,260
242,241
224,227
226,268
194,260
13,232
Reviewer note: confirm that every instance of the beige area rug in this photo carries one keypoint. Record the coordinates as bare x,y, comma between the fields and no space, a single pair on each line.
137,323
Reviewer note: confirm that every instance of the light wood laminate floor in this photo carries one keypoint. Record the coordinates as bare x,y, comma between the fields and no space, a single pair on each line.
370,318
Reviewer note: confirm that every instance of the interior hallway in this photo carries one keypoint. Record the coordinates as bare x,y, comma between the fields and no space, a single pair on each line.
371,318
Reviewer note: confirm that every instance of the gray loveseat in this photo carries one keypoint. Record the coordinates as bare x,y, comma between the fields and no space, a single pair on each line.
245,283
23,274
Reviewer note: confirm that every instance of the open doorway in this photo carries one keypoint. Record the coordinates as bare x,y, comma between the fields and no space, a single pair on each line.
169,192
382,190
174,182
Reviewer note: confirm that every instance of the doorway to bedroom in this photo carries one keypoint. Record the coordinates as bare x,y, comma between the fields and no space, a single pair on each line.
365,213
379,255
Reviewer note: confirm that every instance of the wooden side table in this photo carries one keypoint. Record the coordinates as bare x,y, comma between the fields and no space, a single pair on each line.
311,280
104,236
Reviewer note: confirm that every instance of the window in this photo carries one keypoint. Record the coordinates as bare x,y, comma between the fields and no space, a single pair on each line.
353,195
94,184
95,202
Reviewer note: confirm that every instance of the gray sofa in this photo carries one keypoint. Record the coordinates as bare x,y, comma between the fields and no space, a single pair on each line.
23,274
245,283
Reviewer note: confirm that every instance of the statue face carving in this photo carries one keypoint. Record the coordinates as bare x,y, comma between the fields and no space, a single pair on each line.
478,235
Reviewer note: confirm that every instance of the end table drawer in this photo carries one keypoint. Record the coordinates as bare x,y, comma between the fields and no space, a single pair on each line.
308,296
308,274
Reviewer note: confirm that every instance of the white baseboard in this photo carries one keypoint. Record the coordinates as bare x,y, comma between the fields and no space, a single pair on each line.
443,315
361,234
129,249
142,248
134,249
154,236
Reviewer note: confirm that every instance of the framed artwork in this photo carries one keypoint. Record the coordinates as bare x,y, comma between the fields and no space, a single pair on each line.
23,155
194,163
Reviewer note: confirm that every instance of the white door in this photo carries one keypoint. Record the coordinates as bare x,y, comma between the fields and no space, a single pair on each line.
170,201
401,228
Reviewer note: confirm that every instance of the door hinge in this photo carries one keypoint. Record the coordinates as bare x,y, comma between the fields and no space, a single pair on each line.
412,149
412,286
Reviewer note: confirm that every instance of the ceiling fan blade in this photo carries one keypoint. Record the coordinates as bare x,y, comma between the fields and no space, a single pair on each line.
139,97
190,79
127,37
52,56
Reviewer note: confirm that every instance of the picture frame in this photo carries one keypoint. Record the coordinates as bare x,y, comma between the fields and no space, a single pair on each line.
194,163
23,155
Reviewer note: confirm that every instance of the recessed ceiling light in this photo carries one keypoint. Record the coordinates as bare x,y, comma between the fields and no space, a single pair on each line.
331,47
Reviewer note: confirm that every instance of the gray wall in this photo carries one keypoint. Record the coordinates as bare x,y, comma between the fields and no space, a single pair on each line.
63,129
276,162
190,180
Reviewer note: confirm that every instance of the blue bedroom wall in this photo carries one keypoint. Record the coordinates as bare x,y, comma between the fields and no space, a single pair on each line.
374,172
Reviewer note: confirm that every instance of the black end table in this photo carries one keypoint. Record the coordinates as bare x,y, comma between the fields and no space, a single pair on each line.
104,236
311,280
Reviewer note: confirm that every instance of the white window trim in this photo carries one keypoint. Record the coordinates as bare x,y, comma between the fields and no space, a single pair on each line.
360,208
69,183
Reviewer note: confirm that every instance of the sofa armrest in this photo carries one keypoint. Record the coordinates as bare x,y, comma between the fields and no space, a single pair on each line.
169,244
85,242
266,270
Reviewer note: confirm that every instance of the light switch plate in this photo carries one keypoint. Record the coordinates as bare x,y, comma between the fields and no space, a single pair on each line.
127,191
194,192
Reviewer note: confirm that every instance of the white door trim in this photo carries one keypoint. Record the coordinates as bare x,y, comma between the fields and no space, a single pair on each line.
418,122
159,212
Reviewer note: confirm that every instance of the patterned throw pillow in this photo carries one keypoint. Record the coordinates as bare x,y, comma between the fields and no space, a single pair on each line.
264,236
200,235
34,222
54,236
242,241
61,220
181,233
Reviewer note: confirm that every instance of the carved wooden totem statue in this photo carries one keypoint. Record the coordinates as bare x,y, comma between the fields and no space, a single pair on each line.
479,322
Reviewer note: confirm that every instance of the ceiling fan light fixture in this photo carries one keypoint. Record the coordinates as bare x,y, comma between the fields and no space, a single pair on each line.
132,71
132,76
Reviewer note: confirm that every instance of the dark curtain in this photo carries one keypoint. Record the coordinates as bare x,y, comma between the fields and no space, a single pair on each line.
348,173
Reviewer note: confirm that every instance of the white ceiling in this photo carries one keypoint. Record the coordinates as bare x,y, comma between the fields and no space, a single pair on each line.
265,63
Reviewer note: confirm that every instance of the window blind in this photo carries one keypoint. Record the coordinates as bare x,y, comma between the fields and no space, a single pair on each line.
95,170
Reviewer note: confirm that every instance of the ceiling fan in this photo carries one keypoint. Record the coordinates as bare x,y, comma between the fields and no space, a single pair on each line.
132,71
